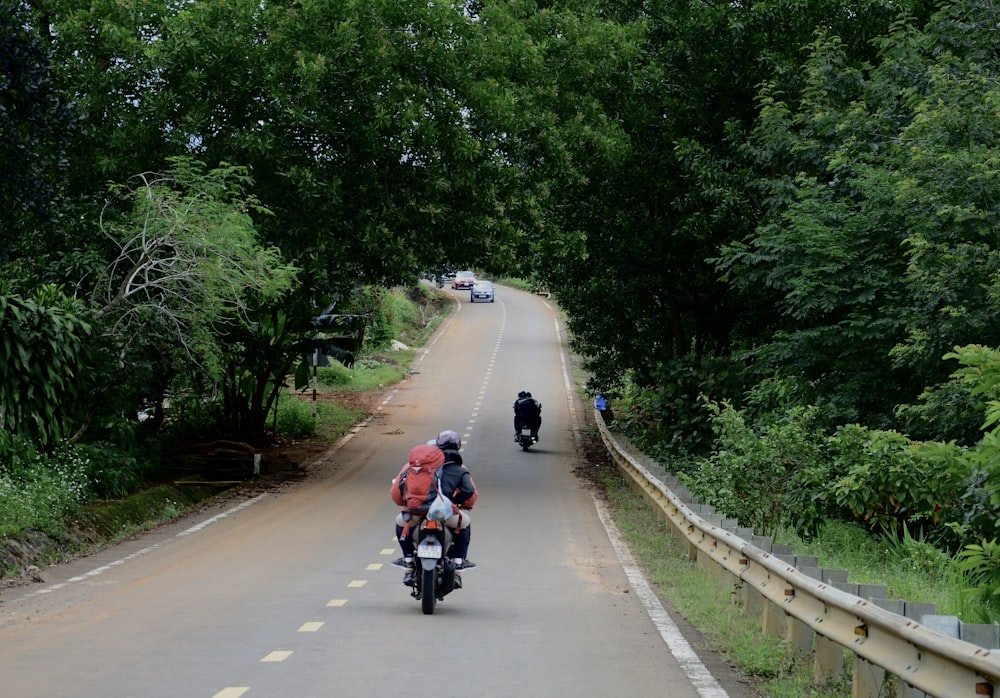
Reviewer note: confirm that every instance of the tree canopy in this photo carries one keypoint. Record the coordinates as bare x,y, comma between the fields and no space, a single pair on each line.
775,203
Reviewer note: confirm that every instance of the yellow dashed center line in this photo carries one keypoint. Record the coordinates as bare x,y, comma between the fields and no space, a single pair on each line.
480,397
232,692
277,656
308,627
315,626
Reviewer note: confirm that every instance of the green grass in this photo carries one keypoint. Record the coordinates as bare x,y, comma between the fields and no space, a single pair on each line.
332,420
765,660
910,569
382,370
296,418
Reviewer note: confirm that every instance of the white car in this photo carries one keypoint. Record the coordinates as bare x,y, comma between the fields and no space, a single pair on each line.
482,291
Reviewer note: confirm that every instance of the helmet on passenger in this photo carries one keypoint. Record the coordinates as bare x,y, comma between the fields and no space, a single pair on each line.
448,440
523,394
527,395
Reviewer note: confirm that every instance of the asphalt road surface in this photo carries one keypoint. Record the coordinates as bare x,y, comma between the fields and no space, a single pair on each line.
290,593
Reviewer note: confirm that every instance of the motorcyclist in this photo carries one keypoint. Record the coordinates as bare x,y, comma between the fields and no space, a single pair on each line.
464,495
458,486
528,413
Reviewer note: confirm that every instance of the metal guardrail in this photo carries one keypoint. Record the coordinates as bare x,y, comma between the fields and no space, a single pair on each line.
811,610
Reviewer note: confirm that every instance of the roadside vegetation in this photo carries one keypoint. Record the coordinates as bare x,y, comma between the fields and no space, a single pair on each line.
88,493
918,516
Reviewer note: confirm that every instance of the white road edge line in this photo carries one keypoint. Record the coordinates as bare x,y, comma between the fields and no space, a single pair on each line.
698,674
139,553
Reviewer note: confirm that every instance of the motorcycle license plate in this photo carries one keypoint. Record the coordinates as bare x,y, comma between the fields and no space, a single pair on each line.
429,549
526,432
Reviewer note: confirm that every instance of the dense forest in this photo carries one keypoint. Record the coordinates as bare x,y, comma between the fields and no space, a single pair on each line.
772,224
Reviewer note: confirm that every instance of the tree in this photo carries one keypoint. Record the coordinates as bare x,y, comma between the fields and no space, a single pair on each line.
880,240
34,122
44,356
356,120
189,273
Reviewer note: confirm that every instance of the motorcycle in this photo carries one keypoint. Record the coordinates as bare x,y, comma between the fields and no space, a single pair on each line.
525,438
434,575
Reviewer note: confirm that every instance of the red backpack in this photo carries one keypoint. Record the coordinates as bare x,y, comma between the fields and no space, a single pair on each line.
416,486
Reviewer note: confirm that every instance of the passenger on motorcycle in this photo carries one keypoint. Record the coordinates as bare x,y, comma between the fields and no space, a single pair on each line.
458,486
528,413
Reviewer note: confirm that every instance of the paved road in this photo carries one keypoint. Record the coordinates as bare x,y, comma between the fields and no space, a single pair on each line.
290,594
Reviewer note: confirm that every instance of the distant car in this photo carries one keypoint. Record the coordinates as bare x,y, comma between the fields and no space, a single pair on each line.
463,279
482,291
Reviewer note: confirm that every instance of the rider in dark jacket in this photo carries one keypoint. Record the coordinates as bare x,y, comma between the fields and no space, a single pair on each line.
456,479
527,412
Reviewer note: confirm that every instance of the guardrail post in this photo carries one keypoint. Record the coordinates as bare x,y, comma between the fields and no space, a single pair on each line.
661,513
984,635
867,680
675,530
799,637
775,619
828,661
692,550
872,591
916,610
876,592
753,600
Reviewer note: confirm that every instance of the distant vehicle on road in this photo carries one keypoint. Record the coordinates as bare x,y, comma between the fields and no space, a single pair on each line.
482,291
463,279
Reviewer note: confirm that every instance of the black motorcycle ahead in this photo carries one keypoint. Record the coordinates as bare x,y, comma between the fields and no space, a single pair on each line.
525,439
434,576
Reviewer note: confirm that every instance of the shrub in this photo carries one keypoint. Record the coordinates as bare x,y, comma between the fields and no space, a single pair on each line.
884,482
111,470
44,352
982,563
295,417
671,410
40,491
764,479
336,375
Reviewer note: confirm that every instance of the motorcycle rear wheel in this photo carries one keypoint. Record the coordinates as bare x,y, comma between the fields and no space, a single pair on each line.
428,596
